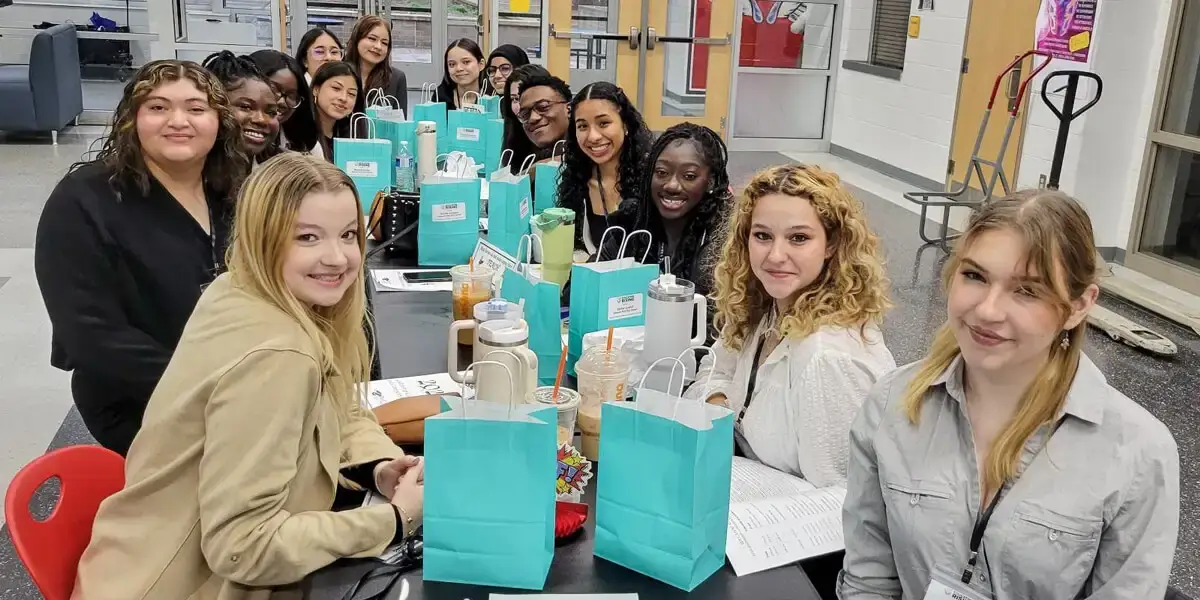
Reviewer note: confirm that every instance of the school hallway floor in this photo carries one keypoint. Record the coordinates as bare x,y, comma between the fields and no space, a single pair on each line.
36,413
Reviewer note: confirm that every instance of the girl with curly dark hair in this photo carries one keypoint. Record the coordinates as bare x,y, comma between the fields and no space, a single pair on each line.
606,149
255,101
127,241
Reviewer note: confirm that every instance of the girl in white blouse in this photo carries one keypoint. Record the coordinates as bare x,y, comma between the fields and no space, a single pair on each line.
800,293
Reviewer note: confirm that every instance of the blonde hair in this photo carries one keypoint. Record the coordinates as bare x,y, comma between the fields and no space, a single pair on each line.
263,232
852,289
1059,247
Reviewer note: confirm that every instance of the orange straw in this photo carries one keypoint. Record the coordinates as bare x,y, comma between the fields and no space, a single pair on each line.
608,347
471,265
562,366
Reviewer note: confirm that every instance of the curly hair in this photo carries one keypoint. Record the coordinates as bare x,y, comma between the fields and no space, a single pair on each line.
226,165
232,71
578,168
707,218
852,289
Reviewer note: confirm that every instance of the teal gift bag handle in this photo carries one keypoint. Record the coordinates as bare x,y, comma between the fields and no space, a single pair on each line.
624,242
526,165
354,119
462,388
554,150
528,254
708,387
375,98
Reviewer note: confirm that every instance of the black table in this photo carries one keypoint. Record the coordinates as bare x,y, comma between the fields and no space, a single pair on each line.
412,338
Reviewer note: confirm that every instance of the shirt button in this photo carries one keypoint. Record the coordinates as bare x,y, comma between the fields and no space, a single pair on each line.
914,499
1053,535
983,577
234,558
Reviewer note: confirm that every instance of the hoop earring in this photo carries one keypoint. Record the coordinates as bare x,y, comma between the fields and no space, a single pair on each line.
1065,343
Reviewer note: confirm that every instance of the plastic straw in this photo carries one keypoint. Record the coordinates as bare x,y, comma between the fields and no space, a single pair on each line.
471,265
562,366
608,346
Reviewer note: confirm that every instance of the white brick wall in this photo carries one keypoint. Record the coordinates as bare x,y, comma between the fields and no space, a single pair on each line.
909,123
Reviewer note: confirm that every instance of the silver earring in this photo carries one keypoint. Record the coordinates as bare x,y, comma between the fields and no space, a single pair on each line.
1066,340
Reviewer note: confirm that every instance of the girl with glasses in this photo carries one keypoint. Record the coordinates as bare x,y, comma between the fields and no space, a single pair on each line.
501,63
317,47
254,100
298,129
370,51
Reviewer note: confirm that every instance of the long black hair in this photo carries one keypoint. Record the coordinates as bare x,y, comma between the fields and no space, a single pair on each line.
446,89
232,70
515,138
301,128
310,38
706,219
510,52
578,168
328,71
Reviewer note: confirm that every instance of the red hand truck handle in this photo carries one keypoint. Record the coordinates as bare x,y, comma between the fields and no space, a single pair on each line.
1024,83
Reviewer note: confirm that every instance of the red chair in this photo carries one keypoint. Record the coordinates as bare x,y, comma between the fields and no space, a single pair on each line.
51,548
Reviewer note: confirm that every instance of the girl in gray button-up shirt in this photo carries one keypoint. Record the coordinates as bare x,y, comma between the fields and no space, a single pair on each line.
1007,414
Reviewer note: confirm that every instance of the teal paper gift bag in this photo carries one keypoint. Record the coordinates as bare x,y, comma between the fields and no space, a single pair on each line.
509,204
368,161
607,293
380,105
545,180
491,106
467,132
662,499
449,219
490,471
430,109
543,311
493,145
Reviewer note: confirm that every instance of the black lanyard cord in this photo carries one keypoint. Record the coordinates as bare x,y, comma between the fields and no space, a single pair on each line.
986,516
753,378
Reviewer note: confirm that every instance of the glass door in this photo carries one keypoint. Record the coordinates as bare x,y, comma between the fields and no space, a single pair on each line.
203,27
672,57
520,23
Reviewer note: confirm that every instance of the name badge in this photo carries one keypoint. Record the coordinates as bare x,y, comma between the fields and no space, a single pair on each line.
947,585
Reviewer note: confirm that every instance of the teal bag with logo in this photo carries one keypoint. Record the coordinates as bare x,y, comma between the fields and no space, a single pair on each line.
543,310
467,130
368,161
508,206
607,293
545,180
510,450
491,106
449,219
431,110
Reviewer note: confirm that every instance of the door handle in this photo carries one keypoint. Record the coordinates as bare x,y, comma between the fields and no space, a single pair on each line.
653,39
1014,86
633,39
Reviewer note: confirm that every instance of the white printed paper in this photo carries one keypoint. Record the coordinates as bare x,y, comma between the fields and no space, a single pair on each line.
454,211
468,134
524,207
382,391
392,280
491,256
624,307
776,519
362,168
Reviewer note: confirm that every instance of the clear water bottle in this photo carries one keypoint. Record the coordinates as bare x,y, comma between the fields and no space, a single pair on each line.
405,173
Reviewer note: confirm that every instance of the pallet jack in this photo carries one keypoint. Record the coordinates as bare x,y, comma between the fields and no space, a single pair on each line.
1115,326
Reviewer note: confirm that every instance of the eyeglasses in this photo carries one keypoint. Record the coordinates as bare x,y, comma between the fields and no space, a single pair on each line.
322,53
291,103
542,108
504,70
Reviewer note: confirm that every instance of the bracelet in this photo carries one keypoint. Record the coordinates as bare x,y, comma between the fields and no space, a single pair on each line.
406,522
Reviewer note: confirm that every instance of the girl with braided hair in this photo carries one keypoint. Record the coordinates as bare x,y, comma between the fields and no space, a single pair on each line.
255,101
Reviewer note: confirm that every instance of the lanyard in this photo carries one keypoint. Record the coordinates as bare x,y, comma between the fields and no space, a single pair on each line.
753,378
981,523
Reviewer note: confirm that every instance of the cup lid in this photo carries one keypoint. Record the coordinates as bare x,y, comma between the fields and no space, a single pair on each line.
498,308
667,286
504,331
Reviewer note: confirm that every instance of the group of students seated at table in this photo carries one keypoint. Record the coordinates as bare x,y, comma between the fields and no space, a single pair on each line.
215,316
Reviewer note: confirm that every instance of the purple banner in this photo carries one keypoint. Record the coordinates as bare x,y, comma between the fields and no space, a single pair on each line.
1064,28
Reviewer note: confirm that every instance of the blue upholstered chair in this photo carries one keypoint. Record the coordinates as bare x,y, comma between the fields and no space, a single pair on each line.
46,94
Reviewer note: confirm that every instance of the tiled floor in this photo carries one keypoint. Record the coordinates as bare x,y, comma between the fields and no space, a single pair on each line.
35,405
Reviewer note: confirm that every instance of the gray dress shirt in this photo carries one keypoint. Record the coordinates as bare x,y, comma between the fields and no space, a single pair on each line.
1093,514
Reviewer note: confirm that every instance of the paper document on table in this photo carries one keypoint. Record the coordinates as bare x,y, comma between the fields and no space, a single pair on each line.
392,280
564,596
382,391
776,519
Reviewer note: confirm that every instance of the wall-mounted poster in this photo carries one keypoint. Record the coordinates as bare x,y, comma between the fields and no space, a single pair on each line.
1064,29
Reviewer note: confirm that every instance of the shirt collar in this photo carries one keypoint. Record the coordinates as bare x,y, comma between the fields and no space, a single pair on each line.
1085,399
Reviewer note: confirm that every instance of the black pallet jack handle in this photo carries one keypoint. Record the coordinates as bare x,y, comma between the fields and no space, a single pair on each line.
1067,113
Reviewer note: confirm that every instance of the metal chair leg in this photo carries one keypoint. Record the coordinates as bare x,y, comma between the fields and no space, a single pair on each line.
54,137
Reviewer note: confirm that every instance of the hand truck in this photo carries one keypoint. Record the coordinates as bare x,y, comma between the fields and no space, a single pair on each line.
961,198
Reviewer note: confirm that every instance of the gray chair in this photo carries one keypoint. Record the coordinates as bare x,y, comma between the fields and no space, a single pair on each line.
46,94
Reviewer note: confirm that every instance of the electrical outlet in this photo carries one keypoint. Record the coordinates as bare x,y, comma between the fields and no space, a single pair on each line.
1042,181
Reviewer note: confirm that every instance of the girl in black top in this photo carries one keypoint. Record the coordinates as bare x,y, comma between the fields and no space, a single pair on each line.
605,154
254,100
127,241
464,73
515,138
298,130
317,47
501,63
337,95
370,51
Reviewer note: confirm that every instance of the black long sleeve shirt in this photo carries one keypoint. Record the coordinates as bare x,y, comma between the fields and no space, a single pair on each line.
120,272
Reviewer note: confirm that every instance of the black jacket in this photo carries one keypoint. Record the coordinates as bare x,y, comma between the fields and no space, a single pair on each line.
120,272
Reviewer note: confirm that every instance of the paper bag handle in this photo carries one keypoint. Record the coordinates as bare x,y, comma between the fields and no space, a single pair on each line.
554,150
512,381
391,100
355,118
603,236
678,363
708,382
528,252
477,97
373,94
506,158
526,165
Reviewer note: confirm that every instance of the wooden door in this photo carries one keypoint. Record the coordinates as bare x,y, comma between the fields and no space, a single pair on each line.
997,33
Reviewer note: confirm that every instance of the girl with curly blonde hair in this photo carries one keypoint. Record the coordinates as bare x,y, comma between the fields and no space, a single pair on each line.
800,294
